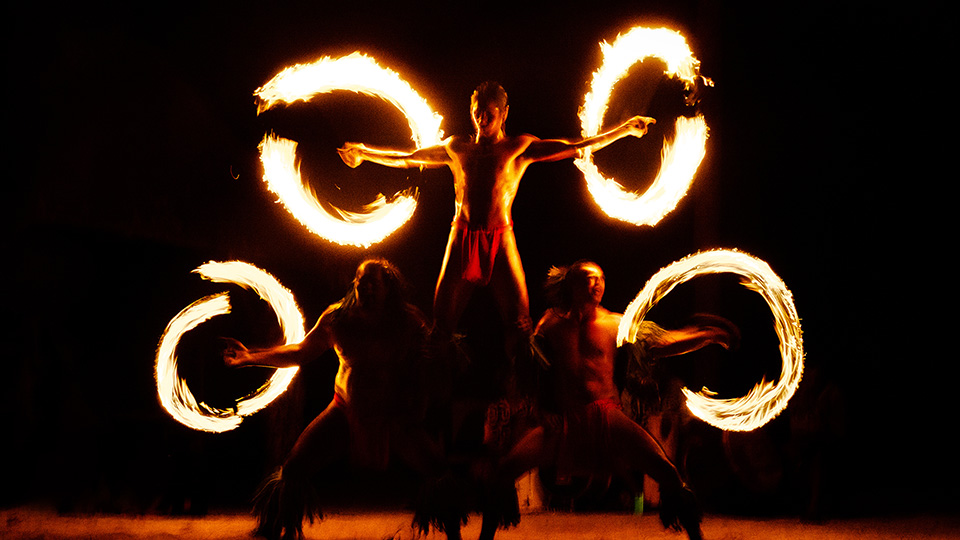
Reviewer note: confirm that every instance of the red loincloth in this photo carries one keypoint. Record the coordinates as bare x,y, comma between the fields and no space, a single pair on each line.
478,251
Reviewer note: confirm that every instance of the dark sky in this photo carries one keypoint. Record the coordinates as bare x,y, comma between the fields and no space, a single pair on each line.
135,137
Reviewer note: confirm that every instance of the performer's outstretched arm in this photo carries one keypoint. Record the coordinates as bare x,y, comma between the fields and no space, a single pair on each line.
705,330
353,154
315,343
556,149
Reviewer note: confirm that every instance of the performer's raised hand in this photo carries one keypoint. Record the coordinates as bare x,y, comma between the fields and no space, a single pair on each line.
234,352
351,154
637,126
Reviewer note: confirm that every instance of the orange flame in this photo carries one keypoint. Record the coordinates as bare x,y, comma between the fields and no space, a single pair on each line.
357,73
766,399
680,159
175,395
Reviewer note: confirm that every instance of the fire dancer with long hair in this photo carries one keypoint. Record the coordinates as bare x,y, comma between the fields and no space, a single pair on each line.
378,408
487,168
587,433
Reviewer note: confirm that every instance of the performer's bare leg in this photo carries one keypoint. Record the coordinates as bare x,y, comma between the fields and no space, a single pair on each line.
509,284
636,450
453,292
324,441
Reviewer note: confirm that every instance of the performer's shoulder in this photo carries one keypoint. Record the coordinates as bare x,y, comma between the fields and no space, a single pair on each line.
610,317
456,141
609,314
415,315
329,314
524,139
549,319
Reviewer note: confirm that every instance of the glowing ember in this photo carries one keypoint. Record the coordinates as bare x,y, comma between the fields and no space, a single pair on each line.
766,399
356,73
680,160
175,395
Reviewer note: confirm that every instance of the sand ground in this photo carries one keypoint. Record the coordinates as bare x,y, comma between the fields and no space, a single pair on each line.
38,523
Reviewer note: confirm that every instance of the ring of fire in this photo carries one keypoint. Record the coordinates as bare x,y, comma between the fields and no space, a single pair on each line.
361,74
766,399
175,395
680,159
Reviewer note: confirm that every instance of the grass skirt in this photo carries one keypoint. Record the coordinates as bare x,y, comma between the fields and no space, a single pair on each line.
281,505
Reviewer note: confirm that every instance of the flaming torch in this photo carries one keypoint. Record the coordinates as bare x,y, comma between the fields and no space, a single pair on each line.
766,399
361,74
175,395
680,159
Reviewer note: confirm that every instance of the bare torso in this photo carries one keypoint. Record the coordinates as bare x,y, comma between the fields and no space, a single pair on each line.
375,361
486,176
583,350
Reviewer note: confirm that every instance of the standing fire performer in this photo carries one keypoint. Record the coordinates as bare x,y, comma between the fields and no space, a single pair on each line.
590,434
377,411
487,168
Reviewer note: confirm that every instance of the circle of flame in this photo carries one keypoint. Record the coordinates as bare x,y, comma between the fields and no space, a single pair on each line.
175,395
766,399
361,74
679,160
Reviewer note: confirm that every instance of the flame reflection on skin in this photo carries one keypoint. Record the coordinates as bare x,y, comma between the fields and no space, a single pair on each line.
361,74
175,395
766,399
680,159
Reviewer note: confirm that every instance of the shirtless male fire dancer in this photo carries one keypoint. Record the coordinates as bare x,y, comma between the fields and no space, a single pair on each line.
377,409
487,168
590,434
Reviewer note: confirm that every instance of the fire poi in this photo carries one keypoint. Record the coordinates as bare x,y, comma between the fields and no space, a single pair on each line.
767,398
176,396
680,159
356,73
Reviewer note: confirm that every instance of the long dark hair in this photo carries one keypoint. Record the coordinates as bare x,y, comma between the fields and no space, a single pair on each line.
396,284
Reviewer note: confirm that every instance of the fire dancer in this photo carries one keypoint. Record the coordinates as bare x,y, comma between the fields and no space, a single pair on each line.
590,434
487,168
378,405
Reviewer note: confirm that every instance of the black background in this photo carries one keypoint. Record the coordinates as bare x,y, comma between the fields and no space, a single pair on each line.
133,159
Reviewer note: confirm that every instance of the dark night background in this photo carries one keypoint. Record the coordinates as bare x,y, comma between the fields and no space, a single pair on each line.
134,160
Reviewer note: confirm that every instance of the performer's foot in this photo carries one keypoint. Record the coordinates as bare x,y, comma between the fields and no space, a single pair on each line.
679,509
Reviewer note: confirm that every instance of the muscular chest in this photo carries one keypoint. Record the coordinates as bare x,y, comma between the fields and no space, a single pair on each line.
488,168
